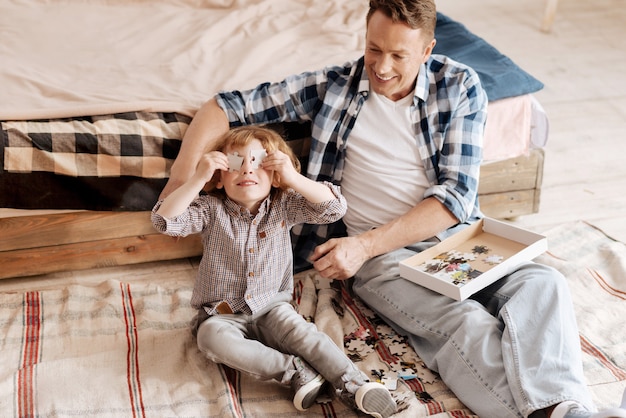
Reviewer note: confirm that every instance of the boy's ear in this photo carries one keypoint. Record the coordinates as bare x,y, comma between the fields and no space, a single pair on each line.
275,180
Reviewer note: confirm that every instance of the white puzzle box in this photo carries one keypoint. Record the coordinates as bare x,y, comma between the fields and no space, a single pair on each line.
473,258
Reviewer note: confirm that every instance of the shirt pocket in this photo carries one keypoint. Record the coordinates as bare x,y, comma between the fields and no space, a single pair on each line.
272,232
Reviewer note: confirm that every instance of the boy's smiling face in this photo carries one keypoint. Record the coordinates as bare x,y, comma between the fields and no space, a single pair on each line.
247,186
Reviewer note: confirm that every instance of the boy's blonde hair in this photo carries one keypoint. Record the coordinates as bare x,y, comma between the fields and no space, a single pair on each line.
242,136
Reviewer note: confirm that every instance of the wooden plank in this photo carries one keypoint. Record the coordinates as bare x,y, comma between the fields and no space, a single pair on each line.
98,253
509,205
21,232
519,173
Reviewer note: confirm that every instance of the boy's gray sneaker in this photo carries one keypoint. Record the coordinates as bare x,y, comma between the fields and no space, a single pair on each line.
306,384
374,399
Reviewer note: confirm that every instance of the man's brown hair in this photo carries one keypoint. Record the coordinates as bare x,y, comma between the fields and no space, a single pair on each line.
417,14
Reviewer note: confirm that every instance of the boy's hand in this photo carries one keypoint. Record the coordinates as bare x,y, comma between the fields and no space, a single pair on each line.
282,165
289,177
209,163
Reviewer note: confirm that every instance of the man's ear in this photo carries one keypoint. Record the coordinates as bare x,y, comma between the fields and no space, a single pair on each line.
429,49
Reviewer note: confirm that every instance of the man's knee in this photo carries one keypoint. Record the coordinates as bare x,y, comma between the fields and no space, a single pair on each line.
545,277
539,284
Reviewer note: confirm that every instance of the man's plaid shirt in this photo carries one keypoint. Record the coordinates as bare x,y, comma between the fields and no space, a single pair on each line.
247,259
449,112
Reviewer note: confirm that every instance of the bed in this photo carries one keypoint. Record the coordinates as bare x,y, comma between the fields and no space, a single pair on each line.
99,94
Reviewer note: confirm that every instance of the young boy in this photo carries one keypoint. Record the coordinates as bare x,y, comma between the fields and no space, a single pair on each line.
244,285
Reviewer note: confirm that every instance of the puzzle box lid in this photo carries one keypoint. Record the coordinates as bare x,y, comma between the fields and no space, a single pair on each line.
473,258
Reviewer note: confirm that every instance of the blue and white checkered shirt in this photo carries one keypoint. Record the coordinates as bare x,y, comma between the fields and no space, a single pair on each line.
247,259
448,113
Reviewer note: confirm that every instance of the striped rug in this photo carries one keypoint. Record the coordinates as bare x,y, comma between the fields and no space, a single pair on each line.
124,349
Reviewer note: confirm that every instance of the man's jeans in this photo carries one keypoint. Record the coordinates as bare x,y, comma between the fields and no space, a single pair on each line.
508,351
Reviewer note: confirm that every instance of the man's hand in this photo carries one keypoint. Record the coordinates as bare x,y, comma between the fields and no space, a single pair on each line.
210,163
339,258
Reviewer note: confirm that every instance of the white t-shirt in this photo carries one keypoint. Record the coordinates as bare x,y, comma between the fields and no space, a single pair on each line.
383,174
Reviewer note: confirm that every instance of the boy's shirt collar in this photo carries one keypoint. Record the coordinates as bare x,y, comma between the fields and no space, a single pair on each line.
235,209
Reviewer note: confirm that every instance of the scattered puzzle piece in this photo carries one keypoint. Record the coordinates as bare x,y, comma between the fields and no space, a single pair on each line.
424,397
407,374
384,330
390,383
354,345
397,349
426,375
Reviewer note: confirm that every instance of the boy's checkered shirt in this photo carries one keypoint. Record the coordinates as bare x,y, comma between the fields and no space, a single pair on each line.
247,259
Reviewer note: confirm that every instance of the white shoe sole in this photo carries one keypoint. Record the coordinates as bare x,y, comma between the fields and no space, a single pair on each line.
359,397
305,397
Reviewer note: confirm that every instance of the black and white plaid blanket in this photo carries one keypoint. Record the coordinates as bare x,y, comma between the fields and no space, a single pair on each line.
110,162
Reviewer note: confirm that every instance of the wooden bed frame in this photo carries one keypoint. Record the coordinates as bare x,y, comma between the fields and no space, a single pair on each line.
38,244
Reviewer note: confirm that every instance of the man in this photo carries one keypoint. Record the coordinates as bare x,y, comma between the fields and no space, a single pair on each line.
401,131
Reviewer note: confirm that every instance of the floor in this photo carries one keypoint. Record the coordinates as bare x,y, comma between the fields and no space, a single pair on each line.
582,63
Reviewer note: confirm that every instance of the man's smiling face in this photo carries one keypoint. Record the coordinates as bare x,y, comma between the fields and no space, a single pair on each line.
394,53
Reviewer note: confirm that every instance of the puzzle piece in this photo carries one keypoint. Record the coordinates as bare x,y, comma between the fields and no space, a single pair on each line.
321,282
365,350
256,157
403,399
469,256
384,330
480,249
410,359
426,375
407,374
390,383
494,259
355,345
378,374
397,349
234,162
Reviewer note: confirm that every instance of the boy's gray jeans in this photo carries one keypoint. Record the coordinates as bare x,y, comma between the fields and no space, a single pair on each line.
508,351
264,345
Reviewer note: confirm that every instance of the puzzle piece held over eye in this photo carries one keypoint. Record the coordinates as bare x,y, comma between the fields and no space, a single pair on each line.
234,162
256,157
